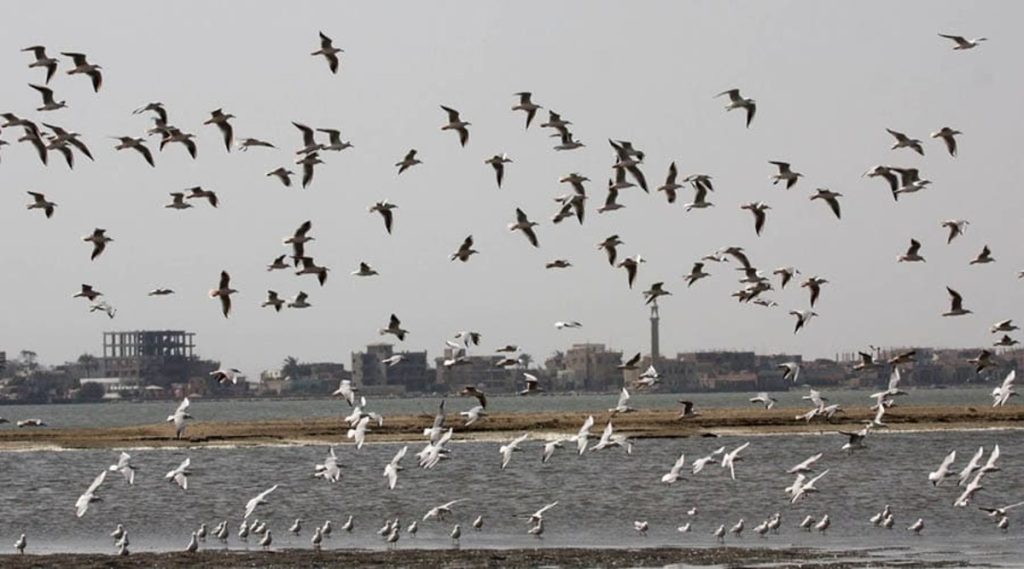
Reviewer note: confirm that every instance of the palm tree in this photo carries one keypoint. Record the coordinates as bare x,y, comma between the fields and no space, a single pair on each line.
290,367
88,363
526,360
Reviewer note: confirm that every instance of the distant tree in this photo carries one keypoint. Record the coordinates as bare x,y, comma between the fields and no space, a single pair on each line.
526,360
90,392
89,364
290,367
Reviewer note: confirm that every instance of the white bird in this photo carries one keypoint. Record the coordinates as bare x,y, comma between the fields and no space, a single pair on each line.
719,533
19,545
685,528
807,523
806,487
730,458
805,466
439,512
456,533
349,524
990,465
330,470
179,475
392,468
917,526
267,540
737,529
622,405
538,516
823,524
703,461
1002,393
507,449
549,449
1000,512
346,391
904,141
296,527
178,418
962,42
259,500
89,496
790,370
736,101
942,472
457,124
673,474
193,544
125,467
223,375
317,539
972,488
474,414
972,466
583,435
764,399
358,434
956,304
641,527
478,523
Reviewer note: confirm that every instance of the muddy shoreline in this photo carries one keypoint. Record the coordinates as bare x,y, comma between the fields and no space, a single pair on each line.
465,558
641,424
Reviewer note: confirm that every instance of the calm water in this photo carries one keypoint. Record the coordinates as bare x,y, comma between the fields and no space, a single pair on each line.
600,495
126,414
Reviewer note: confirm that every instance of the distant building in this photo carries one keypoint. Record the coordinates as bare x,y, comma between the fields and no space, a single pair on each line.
409,375
158,357
3,362
480,371
113,387
590,367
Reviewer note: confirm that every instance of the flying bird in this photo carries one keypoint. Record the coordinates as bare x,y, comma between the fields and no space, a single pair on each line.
99,241
498,163
830,198
40,202
759,209
82,66
137,144
224,292
527,106
395,328
956,304
465,250
786,174
736,101
329,52
456,124
913,253
409,161
524,224
259,500
220,119
89,496
904,141
947,135
49,103
385,210
49,63
962,42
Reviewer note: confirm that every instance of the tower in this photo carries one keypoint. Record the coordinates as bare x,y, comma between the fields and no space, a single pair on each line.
655,345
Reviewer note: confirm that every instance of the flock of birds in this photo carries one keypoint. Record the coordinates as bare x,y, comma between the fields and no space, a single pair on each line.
46,137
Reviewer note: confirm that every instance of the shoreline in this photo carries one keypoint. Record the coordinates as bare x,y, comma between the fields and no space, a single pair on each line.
563,558
409,428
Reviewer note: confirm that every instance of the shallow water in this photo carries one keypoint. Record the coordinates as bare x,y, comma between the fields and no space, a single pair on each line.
600,494
126,414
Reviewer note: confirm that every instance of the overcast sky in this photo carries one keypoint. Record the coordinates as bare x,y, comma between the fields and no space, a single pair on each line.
828,78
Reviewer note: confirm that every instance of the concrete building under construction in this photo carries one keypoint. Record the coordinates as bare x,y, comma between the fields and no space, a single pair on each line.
148,357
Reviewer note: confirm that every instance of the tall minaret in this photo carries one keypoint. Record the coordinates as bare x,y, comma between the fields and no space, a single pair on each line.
655,346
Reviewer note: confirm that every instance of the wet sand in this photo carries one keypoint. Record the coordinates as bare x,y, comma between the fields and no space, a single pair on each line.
466,558
641,424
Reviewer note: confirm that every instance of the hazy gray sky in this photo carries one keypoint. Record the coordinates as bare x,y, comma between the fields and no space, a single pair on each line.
828,78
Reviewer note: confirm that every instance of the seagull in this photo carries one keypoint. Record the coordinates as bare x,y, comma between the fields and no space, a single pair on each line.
527,106
384,208
330,470
823,524
699,200
856,439
395,328
889,174
609,438
296,527
802,317
830,198
457,124
349,524
807,523
178,201
260,499
814,285
87,293
358,433
224,292
696,273
247,143
42,60
267,540
329,52
687,410
621,406
220,119
583,435
549,449
1002,394
83,66
364,270
764,399
649,378
184,138
631,265
223,375
963,43
409,161
610,203
49,104
719,533
806,487
759,210
498,163
300,301
737,529
703,461
178,418
609,245
1006,341
532,384
82,504
984,257
729,459
1000,512
943,472
956,228
193,544
334,137
99,241
125,467
786,174
674,472
790,370
912,255
805,466
465,250
641,527
910,181
558,264
982,361
736,101
308,162
273,300
956,304
970,490
40,202
506,450
524,224
972,466
198,192
904,141
570,324
317,539
1004,326
670,186
283,174
439,512
947,134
